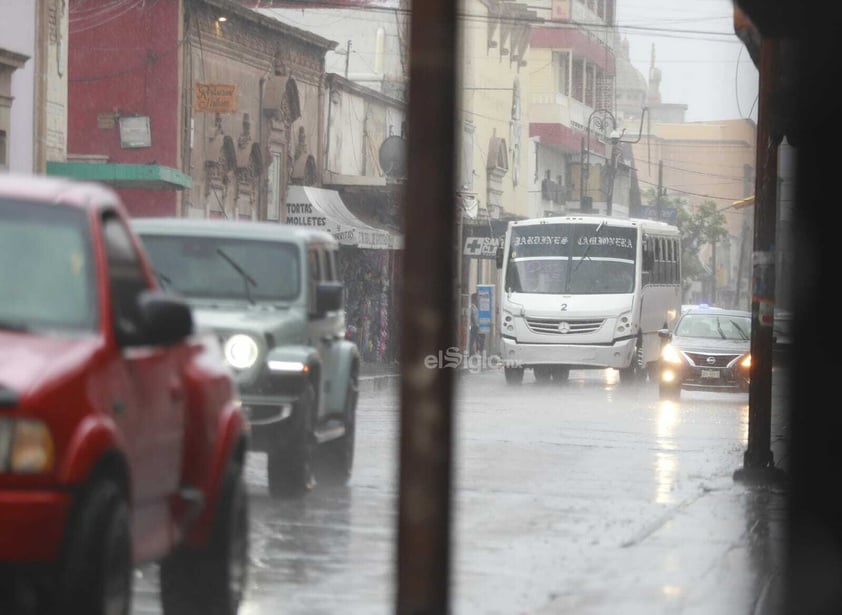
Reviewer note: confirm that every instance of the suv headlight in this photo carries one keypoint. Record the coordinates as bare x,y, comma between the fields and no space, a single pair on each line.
241,351
26,446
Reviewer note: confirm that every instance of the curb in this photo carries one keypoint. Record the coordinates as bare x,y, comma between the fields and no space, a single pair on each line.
378,383
385,381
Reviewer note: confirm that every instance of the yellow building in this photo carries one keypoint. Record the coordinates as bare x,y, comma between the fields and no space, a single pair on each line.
707,161
493,136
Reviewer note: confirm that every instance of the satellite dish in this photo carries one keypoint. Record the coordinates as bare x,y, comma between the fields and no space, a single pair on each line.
392,156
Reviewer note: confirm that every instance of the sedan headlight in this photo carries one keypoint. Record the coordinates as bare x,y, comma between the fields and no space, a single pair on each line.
746,362
241,351
26,446
671,355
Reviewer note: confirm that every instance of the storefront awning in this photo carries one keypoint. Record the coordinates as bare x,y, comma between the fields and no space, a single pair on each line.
142,176
323,209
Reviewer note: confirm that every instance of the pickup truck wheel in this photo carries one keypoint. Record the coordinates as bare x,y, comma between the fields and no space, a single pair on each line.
212,580
97,565
338,455
290,466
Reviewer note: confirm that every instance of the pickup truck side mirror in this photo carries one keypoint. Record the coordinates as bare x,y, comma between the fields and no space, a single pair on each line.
328,297
664,334
166,319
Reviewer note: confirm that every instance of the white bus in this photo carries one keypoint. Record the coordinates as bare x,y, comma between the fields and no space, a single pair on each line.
587,292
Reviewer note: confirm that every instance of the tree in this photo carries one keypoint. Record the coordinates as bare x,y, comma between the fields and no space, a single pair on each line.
701,226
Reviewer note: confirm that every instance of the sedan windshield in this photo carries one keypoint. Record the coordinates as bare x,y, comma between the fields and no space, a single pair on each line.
46,268
226,268
714,326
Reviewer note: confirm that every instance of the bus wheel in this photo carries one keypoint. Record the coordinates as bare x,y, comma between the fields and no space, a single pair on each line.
636,372
514,375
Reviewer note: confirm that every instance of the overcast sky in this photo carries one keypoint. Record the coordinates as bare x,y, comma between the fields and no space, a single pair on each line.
703,64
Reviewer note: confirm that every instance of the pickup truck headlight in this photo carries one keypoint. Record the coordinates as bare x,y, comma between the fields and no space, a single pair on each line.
241,351
26,446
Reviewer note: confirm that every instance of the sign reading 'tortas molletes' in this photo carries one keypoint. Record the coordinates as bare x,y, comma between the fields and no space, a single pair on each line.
303,214
214,97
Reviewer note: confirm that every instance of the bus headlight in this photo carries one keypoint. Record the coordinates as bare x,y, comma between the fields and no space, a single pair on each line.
670,355
508,321
624,324
241,351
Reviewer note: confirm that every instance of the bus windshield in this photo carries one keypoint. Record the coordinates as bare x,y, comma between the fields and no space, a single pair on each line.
571,259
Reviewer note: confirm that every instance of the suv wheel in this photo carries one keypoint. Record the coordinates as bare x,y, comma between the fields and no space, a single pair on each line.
97,565
290,465
338,459
211,580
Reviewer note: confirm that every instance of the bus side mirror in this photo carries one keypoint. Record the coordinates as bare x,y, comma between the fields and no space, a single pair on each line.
500,257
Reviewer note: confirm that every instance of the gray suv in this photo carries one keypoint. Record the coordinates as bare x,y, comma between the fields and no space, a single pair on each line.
272,294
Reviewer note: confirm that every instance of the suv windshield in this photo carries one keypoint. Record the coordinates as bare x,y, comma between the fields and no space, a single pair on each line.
197,267
46,269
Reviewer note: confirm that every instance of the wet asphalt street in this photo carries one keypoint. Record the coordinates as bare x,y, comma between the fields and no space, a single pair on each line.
583,498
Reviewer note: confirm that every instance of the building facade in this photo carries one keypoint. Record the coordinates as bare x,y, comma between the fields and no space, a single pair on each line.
575,163
493,137
700,162
33,84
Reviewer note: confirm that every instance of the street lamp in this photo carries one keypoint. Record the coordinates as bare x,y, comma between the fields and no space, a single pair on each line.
614,138
598,117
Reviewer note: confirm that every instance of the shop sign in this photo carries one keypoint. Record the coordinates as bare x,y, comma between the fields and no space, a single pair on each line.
482,247
214,98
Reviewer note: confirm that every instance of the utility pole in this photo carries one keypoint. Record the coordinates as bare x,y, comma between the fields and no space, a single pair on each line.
347,57
428,321
758,458
660,190
583,176
713,274
612,172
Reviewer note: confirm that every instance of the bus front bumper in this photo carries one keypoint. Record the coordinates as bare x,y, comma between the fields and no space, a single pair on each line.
617,355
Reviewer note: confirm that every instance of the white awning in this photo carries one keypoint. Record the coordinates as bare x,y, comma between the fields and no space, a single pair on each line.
323,209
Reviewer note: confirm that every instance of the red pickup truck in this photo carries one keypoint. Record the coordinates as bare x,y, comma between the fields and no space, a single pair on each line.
121,441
